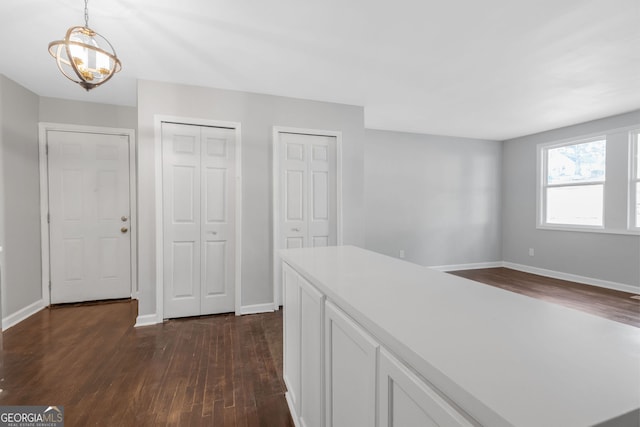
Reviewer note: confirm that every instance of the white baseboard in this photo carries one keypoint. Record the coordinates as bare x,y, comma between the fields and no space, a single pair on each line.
147,320
20,315
152,319
292,409
256,308
473,266
573,277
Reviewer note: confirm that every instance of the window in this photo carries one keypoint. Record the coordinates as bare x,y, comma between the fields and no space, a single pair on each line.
634,187
573,182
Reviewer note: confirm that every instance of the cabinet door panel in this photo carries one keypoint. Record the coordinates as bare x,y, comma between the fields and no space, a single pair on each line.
311,328
292,344
407,401
350,369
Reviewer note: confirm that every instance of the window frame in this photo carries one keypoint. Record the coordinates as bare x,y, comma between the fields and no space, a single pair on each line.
634,180
543,185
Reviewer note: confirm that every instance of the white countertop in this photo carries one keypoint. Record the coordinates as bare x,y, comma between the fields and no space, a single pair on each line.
505,358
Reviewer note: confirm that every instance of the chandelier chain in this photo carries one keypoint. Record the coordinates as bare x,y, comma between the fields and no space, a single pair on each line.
86,14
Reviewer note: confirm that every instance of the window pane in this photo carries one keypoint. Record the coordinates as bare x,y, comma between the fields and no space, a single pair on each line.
577,163
580,205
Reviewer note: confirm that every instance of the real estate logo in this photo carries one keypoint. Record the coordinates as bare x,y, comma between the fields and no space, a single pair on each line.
31,416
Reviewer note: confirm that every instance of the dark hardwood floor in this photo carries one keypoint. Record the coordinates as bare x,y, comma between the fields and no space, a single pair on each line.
215,371
611,304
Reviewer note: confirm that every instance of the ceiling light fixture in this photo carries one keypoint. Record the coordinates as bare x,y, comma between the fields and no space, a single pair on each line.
82,57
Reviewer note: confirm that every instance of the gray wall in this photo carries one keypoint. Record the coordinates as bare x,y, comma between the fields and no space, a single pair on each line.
609,257
438,198
257,114
55,110
20,112
20,198
435,197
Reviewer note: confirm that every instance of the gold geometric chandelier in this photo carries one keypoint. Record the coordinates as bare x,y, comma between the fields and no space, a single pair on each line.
84,56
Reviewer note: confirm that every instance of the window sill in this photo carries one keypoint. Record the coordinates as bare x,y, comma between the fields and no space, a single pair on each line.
628,232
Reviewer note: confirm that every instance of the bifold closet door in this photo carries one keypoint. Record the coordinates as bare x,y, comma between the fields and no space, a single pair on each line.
308,192
198,215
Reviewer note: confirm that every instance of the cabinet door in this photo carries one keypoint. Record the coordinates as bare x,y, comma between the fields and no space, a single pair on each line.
407,401
291,339
350,369
312,337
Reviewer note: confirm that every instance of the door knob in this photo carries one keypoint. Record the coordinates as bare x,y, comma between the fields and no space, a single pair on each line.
124,218
295,229
124,229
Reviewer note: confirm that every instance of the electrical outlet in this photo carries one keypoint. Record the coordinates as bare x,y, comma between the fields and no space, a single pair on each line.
401,253
532,252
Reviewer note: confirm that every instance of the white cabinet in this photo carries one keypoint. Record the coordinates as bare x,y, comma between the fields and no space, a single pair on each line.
350,371
407,401
291,338
338,375
311,362
397,339
303,349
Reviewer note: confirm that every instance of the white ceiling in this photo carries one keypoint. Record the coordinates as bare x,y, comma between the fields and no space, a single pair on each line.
492,69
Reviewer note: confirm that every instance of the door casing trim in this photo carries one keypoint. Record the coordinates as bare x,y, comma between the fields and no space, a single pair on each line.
43,128
277,130
159,234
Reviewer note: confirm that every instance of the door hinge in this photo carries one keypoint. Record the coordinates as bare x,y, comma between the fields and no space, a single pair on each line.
46,149
48,218
49,285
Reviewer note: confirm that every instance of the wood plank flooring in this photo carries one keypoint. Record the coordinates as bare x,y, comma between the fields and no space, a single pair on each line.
608,303
215,371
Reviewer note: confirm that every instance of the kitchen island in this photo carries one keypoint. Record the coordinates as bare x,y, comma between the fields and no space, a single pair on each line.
371,340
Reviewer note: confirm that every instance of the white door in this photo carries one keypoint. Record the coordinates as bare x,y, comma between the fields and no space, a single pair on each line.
90,243
307,190
198,214
307,176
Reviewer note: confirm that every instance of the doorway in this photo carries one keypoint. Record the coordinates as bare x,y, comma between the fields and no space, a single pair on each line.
307,188
87,213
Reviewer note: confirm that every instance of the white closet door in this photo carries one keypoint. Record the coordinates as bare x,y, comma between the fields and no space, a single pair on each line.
218,220
89,216
322,222
293,191
307,195
308,205
181,211
199,219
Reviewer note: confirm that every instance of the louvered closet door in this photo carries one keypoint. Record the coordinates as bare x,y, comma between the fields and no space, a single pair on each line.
198,215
